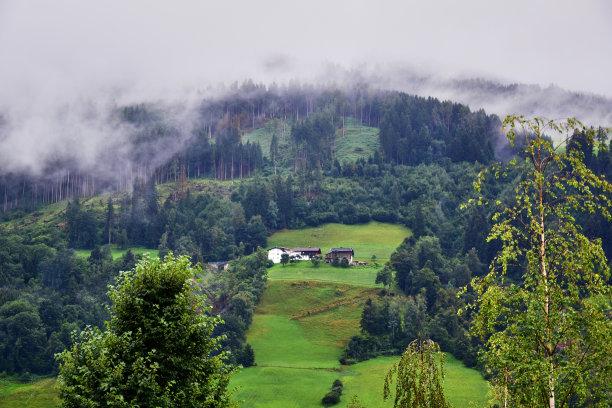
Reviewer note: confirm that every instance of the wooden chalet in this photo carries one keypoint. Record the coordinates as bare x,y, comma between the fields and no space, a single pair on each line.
347,253
306,254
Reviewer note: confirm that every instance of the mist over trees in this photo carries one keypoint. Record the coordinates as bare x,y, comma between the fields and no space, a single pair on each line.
168,143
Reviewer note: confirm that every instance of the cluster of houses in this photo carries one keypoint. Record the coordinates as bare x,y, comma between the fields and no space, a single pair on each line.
306,254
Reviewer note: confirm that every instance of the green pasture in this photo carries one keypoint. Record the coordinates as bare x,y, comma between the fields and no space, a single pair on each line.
305,270
306,324
373,238
37,394
263,135
117,252
298,332
358,142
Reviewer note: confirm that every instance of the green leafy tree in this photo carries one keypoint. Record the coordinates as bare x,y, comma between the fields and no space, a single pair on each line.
418,376
316,261
157,349
284,258
548,336
385,276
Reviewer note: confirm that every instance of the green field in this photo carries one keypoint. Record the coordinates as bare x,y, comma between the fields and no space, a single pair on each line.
263,135
304,270
117,253
374,238
37,394
358,142
298,333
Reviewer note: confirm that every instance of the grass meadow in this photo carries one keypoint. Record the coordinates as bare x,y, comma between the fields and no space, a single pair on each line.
298,332
304,270
373,238
37,394
358,142
117,252
263,135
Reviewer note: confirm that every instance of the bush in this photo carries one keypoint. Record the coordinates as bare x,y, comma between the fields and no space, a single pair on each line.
246,356
331,398
337,386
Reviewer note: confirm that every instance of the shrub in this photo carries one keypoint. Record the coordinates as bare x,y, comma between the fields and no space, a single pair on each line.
331,398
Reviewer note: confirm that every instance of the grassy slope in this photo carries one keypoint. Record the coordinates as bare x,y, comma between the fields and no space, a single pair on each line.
263,136
307,315
358,142
304,270
374,238
117,253
298,357
38,394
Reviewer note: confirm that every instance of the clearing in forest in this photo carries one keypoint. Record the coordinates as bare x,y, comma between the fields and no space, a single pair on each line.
373,238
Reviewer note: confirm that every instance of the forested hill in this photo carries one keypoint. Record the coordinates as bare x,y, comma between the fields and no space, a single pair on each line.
330,156
304,122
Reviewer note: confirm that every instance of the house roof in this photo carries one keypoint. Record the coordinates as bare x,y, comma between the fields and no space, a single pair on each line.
281,248
342,250
306,249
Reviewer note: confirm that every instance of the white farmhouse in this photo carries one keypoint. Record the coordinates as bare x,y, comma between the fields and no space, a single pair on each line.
274,254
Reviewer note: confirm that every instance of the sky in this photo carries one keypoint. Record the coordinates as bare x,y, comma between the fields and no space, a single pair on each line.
64,61
163,46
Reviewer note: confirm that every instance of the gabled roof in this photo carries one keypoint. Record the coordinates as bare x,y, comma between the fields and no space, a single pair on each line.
306,249
281,248
342,250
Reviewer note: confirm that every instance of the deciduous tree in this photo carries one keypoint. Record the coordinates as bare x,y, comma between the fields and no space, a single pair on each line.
548,336
156,349
418,377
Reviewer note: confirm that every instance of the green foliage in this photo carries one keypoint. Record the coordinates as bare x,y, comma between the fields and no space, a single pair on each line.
246,357
331,398
548,335
156,349
316,261
284,259
414,130
418,376
385,276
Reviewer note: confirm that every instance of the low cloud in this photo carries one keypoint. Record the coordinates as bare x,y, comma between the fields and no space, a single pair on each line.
69,66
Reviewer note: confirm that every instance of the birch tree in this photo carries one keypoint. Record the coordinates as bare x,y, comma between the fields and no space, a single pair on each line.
548,336
418,377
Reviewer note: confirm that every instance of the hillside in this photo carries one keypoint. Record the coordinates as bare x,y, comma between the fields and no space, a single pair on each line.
298,332
307,315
